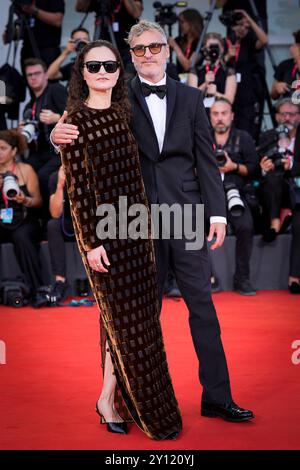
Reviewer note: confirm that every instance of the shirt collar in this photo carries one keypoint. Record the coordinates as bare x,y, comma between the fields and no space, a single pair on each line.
163,81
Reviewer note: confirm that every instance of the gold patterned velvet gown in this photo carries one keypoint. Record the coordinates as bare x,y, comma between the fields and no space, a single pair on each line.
101,165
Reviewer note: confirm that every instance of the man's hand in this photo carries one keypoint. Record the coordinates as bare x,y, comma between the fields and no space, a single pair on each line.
29,9
229,165
266,164
282,88
96,257
286,162
64,133
218,230
49,117
70,47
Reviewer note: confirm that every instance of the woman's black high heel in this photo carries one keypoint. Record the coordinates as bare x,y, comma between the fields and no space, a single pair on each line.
118,428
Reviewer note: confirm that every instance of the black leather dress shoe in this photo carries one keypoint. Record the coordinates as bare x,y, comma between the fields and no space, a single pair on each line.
115,427
229,412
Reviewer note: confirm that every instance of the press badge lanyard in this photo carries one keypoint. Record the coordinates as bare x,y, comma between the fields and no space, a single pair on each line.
115,24
188,49
238,48
214,71
33,111
295,72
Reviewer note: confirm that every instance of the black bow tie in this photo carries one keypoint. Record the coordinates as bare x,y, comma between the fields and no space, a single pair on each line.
160,90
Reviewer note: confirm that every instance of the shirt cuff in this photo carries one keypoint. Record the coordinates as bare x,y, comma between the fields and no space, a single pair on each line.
56,147
218,220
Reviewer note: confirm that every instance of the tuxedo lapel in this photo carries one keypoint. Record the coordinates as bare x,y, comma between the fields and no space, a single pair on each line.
140,105
137,90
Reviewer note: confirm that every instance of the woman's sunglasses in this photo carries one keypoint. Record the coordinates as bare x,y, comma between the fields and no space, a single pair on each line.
154,48
110,66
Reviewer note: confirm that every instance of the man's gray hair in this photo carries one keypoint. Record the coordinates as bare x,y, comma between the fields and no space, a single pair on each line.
287,100
143,26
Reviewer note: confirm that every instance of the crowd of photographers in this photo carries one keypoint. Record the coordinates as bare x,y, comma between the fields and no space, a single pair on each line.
260,170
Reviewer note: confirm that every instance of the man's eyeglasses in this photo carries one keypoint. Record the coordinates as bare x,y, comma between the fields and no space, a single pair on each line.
110,66
33,74
288,114
154,48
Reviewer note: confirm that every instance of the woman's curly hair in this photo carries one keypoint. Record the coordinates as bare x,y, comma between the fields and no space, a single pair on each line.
78,89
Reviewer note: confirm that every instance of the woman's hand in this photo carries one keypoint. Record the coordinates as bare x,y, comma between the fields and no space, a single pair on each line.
20,198
96,258
49,117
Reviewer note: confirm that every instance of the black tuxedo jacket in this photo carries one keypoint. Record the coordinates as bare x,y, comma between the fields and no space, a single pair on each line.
185,171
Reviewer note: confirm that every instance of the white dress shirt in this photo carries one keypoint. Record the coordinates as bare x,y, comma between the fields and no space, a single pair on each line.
158,112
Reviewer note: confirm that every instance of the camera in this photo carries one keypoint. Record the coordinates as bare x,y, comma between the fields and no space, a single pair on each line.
164,14
14,294
45,298
10,185
235,204
30,129
276,148
212,52
221,156
79,45
231,18
99,7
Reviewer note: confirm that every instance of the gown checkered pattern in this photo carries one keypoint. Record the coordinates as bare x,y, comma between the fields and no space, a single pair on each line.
100,166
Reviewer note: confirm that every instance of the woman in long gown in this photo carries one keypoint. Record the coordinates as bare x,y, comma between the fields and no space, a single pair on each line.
101,165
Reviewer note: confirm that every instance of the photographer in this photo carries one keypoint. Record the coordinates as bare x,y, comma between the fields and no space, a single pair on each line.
79,37
190,27
123,14
212,77
19,199
244,40
40,115
238,162
261,6
280,164
287,72
44,19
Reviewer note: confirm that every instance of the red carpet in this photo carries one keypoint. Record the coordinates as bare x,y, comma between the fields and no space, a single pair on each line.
51,378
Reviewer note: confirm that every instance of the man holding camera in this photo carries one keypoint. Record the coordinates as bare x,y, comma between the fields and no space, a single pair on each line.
42,21
244,40
287,72
79,38
237,161
120,16
40,115
280,185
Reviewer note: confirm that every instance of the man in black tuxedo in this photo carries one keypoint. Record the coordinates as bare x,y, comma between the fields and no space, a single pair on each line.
179,166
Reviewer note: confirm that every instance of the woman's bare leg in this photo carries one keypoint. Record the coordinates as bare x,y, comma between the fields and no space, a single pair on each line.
106,399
